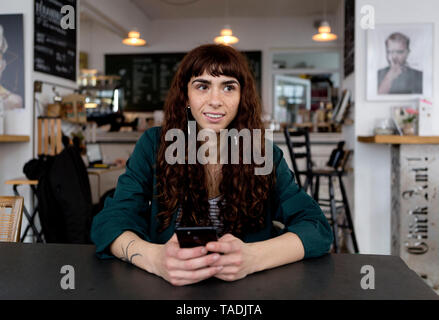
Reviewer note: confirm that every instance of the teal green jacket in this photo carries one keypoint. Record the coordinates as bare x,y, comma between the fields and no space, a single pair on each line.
133,207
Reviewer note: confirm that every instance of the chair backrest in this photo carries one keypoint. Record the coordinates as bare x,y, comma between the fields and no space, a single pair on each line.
339,159
298,150
49,136
11,211
344,161
337,156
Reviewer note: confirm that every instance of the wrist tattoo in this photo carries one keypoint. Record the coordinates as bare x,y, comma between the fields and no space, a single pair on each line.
125,256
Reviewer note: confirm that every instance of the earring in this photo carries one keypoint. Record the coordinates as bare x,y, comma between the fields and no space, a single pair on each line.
187,118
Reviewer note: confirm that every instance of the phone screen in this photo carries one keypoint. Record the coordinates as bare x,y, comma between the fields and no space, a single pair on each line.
190,237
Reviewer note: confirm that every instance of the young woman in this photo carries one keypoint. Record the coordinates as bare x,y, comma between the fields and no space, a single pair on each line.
213,85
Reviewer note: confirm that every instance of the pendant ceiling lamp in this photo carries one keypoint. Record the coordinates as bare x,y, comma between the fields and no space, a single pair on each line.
226,36
134,39
324,33
324,30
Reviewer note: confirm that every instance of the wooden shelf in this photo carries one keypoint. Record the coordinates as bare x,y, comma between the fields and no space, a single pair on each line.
394,139
13,138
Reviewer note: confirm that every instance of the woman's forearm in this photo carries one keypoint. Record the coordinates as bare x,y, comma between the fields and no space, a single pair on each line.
131,248
286,248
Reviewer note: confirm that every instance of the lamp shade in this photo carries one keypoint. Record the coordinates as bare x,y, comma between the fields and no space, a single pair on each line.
324,33
226,37
134,39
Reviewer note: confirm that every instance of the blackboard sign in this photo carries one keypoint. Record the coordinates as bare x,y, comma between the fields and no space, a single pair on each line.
54,47
146,78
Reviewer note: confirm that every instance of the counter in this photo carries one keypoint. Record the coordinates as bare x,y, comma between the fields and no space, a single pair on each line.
414,201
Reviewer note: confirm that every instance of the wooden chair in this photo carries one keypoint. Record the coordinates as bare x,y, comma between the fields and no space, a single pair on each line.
338,172
312,183
11,211
49,142
303,151
49,136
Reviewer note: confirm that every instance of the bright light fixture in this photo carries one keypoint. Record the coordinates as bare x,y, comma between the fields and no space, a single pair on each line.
134,39
226,37
324,33
91,105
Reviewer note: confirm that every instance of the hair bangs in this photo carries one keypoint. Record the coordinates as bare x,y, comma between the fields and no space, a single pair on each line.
219,63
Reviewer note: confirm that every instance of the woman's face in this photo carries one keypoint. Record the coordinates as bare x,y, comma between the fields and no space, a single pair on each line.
213,100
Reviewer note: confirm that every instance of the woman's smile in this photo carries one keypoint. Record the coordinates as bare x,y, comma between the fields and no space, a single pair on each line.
214,117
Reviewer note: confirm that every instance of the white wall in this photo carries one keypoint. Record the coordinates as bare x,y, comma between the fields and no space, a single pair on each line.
372,162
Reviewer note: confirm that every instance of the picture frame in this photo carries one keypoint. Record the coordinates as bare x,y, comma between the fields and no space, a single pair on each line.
400,62
12,61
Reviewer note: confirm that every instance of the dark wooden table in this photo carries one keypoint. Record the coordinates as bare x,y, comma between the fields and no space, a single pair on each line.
33,271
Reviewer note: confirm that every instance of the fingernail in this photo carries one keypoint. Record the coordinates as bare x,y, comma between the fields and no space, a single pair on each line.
215,257
219,267
203,250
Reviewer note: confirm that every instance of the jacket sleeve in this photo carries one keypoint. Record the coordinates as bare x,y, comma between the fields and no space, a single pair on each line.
298,211
128,208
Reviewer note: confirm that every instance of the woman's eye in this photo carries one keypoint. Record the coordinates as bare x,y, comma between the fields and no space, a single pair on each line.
229,88
201,87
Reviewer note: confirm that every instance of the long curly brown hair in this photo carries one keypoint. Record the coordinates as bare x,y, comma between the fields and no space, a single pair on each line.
244,194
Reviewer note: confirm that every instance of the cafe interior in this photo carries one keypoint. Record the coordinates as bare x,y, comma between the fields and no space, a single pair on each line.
346,86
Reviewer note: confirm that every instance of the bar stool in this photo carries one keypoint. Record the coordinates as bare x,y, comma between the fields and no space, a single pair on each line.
337,170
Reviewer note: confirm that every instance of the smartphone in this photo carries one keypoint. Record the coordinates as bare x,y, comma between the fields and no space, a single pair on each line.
190,237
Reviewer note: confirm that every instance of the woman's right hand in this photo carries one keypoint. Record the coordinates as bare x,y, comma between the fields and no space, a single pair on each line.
182,266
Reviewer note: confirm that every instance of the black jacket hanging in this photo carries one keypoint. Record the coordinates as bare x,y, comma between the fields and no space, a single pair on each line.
64,197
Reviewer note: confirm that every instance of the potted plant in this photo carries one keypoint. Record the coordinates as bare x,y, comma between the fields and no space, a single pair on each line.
410,121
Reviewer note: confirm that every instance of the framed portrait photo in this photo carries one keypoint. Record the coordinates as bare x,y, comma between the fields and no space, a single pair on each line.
400,61
11,61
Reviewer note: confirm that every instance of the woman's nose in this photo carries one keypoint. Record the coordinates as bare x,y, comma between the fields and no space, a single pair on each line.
215,98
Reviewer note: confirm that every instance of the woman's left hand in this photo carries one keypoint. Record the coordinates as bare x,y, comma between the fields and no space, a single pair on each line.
238,259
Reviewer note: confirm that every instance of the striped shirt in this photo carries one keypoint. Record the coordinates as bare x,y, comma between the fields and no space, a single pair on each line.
214,211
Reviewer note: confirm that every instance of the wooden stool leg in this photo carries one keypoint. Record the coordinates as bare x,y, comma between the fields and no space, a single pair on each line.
333,213
348,214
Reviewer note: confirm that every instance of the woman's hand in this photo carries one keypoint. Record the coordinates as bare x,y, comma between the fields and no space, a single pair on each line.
238,259
185,266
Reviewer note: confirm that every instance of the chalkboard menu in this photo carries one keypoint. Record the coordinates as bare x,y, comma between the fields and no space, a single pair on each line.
54,47
146,78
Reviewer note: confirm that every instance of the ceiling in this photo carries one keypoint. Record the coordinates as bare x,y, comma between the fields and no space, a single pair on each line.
192,9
